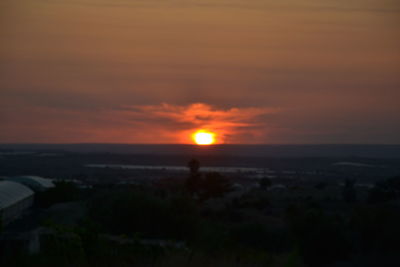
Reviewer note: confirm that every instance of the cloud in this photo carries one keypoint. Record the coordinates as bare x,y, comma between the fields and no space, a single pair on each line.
150,124
230,125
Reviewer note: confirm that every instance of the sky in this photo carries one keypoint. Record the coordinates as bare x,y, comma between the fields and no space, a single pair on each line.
154,71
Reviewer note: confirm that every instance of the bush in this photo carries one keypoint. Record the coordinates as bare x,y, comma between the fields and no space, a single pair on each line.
62,192
212,237
377,228
214,185
149,216
386,190
321,239
259,236
265,183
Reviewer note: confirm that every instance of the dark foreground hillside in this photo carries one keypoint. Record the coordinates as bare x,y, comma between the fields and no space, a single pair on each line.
209,219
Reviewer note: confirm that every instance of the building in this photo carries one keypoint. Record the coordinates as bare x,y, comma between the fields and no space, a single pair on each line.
15,198
36,183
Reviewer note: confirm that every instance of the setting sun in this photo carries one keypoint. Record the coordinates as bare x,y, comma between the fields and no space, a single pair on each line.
203,137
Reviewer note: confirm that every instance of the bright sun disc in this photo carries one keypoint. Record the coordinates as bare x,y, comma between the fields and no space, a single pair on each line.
204,138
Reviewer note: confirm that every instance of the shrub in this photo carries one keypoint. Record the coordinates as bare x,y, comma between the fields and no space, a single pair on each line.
62,192
149,216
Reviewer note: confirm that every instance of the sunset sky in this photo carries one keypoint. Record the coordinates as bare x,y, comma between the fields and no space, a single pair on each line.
155,71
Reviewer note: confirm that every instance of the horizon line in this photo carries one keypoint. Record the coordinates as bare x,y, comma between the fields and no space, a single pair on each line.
213,145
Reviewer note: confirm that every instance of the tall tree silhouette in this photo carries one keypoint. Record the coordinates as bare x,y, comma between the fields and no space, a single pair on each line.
193,182
349,192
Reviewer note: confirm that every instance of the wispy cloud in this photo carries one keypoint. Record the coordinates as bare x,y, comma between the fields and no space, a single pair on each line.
163,123
230,124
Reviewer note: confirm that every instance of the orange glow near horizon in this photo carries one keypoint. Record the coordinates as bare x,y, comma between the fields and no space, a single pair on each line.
204,137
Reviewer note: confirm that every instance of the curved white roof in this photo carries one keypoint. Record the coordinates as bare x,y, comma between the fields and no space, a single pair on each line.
11,193
43,182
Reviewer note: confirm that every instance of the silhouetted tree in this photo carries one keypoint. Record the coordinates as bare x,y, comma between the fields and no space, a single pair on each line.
194,166
349,192
193,182
265,183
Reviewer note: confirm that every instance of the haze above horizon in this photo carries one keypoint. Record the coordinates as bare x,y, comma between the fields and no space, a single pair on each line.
148,72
